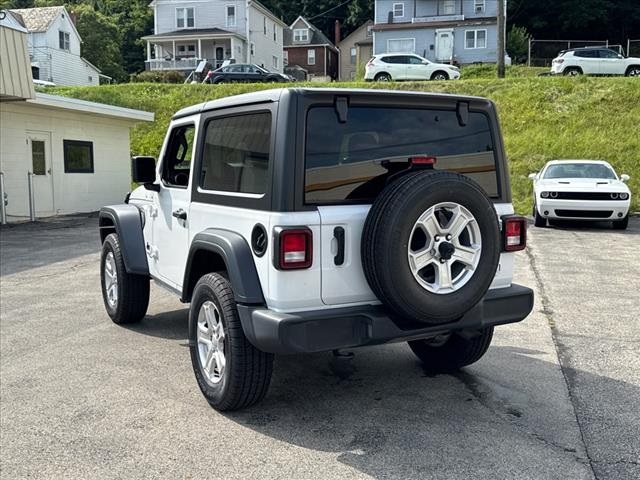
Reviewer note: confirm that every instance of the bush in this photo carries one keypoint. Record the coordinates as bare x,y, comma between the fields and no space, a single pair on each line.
518,44
168,76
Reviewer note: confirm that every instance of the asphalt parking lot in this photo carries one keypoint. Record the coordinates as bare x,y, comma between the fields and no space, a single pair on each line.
555,397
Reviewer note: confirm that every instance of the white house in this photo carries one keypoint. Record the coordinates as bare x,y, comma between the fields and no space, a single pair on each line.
188,31
55,47
75,153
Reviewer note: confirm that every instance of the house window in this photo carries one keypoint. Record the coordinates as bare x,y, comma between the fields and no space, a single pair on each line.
275,62
231,15
301,35
311,56
253,49
478,6
449,7
275,33
369,30
264,24
353,53
186,50
285,57
398,10
401,45
475,39
78,156
65,43
185,18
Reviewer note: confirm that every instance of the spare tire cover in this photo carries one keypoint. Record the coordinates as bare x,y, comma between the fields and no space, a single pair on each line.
431,246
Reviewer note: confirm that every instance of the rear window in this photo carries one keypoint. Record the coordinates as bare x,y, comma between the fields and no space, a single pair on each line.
350,162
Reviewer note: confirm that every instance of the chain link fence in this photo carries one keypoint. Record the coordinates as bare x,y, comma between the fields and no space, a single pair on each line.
633,48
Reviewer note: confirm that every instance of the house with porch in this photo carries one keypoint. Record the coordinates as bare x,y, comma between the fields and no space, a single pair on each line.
189,31
446,31
55,47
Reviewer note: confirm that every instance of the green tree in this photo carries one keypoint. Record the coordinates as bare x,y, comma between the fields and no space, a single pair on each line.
518,43
102,40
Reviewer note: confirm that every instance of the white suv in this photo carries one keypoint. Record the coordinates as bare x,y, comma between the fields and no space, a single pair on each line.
309,220
407,66
594,61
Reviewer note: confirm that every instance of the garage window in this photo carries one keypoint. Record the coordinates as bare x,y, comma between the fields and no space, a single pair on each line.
78,156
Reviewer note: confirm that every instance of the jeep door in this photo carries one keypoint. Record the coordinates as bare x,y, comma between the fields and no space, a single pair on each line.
611,63
171,220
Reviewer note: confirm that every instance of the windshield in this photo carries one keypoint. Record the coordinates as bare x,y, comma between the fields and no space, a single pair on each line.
580,170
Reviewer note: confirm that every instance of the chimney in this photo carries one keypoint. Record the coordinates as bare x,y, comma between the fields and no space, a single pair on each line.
337,38
73,16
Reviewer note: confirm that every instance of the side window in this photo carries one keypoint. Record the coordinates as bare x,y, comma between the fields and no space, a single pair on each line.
236,154
176,164
608,54
415,60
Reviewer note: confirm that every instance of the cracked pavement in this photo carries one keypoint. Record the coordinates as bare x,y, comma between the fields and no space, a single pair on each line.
556,396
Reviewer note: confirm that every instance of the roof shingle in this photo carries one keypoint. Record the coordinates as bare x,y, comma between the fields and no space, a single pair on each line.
38,19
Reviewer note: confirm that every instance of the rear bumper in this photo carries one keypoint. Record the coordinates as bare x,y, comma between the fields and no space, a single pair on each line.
323,330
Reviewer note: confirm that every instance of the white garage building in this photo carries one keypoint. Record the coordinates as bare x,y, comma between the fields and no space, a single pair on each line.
74,153
77,151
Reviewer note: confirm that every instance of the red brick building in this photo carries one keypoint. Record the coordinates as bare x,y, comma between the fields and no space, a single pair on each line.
307,47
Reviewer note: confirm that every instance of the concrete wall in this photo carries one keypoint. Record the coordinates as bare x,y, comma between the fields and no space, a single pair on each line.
72,192
425,38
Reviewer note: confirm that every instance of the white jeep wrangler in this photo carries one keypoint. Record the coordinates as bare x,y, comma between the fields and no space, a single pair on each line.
307,220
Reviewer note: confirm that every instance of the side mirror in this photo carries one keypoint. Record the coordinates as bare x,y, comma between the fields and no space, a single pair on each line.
620,56
425,62
533,176
624,177
143,172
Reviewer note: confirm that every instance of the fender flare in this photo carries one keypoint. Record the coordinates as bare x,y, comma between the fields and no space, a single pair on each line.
237,256
127,221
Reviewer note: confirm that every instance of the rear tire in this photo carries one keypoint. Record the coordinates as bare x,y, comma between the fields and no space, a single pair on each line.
621,224
572,72
446,355
234,374
538,220
383,77
126,296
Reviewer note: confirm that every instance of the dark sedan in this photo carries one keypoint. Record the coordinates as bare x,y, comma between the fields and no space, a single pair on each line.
244,73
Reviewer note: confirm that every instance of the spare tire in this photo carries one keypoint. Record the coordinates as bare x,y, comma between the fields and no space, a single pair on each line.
430,246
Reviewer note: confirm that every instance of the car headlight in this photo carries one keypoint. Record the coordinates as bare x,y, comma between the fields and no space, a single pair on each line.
624,196
614,196
544,194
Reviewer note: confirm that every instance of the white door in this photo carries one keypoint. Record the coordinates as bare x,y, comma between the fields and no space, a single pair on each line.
39,146
417,70
610,63
444,45
171,221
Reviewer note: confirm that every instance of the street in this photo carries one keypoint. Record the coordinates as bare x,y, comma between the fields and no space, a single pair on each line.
556,396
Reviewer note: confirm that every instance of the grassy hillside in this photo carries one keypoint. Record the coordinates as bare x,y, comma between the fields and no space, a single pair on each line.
542,118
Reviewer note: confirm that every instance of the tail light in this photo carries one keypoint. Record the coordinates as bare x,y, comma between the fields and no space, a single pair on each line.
558,60
514,233
371,61
294,247
422,160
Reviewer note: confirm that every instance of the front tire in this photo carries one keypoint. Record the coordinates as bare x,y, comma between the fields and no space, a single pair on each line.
538,220
126,296
621,224
446,354
231,373
572,72
440,76
633,71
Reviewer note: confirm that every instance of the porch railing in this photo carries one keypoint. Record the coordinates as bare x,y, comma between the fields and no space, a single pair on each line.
179,64
438,18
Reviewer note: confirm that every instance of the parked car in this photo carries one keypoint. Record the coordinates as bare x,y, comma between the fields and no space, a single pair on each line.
396,225
580,190
407,66
245,73
594,61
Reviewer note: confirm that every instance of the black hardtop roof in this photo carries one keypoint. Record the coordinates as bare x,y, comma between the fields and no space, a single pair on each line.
274,95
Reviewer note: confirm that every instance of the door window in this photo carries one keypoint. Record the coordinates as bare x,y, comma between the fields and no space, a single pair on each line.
236,154
38,159
176,166
608,54
415,60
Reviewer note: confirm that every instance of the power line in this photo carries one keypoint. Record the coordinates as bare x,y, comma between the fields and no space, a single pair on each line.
330,10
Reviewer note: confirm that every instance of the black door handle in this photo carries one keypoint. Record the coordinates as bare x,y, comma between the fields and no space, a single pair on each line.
338,234
180,214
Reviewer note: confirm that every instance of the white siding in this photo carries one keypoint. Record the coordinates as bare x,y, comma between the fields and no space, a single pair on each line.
265,47
208,14
73,192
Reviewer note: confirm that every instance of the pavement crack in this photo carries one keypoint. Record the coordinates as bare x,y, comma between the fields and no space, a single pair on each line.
561,350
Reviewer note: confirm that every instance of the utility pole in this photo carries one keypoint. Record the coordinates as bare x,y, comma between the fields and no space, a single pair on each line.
501,39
